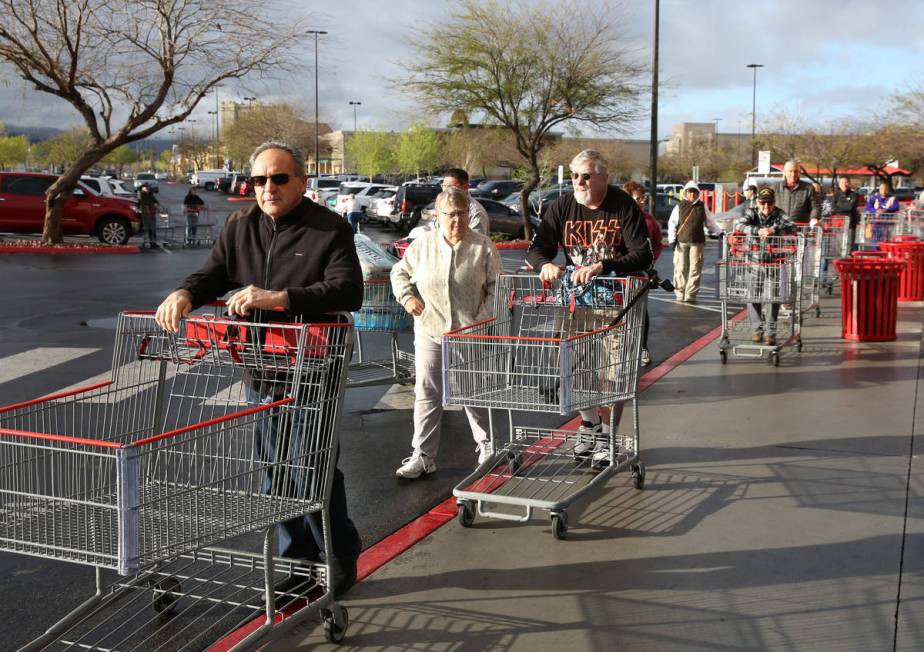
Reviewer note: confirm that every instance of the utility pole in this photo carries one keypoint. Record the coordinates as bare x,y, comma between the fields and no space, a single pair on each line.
653,155
317,145
754,66
354,105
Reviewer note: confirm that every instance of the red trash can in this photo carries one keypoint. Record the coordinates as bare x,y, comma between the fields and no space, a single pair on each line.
911,287
869,298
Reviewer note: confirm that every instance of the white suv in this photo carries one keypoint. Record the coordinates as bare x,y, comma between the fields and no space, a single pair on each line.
146,178
363,190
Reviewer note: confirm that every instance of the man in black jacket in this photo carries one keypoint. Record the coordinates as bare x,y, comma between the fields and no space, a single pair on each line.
602,231
845,203
286,252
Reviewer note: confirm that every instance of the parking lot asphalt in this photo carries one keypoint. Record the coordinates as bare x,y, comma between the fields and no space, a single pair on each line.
57,331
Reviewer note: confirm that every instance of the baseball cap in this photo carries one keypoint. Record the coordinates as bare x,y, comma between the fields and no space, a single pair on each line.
766,194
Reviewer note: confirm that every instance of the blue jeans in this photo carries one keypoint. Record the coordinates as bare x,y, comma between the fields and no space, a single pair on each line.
300,537
355,219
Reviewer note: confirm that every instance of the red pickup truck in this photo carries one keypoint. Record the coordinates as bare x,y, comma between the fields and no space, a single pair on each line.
22,209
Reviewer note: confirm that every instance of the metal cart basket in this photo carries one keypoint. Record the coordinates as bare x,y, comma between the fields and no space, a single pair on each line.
165,458
878,227
809,273
381,313
178,227
763,272
835,243
548,350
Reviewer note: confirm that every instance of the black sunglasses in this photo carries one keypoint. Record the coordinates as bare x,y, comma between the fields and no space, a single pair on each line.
577,175
280,179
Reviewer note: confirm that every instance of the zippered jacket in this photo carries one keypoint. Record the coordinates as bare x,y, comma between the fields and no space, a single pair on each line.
309,253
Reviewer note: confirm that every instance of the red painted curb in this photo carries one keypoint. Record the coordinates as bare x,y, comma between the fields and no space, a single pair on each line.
405,538
240,199
19,249
512,245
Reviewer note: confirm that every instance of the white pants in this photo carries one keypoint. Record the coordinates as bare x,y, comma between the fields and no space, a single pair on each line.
688,267
428,400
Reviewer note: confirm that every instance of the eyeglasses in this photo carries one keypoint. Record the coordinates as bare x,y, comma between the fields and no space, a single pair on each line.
765,202
280,179
583,176
454,214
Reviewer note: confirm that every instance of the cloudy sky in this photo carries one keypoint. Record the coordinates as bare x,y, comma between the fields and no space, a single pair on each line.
824,60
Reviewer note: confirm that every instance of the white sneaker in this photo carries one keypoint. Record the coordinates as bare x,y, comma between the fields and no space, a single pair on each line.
485,451
415,466
645,358
601,458
586,439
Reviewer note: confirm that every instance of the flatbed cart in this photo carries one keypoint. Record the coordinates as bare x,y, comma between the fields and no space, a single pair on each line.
764,271
141,473
835,243
875,228
381,313
548,350
809,273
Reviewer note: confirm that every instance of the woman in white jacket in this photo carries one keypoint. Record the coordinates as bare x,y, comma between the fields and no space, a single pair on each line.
446,280
686,235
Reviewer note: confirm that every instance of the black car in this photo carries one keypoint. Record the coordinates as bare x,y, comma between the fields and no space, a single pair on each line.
224,184
409,201
504,220
496,189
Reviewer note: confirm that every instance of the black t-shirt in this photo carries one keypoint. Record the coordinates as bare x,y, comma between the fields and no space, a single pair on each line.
614,234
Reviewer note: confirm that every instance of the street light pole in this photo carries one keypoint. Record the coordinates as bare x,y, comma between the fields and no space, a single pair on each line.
354,105
317,146
755,66
653,154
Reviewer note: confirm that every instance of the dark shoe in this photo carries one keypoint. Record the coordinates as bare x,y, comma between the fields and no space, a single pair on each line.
344,576
770,340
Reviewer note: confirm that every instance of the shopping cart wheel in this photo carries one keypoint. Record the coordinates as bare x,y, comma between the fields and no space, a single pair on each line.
166,593
560,525
514,462
466,513
723,356
775,359
335,620
638,474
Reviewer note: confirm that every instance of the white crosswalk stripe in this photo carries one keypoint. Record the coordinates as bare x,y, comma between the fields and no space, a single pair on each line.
38,359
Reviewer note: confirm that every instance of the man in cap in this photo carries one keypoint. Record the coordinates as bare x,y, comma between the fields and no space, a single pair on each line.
764,221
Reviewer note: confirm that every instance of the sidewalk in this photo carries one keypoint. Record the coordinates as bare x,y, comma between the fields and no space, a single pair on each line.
773,518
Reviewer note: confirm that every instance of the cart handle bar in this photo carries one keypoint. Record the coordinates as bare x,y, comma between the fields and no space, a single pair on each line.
100,443
52,397
219,303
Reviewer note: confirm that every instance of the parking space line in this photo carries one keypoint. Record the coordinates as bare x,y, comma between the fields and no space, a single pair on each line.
38,359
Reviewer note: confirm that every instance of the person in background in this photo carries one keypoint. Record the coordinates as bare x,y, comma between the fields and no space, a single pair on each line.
446,281
797,198
354,212
192,205
750,197
478,216
149,207
765,220
637,192
686,234
845,204
883,201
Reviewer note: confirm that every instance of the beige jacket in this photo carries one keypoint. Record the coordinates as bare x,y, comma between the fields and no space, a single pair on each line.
456,284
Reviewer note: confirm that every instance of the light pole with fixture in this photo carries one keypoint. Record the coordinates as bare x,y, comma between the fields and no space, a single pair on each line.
653,154
317,146
354,105
755,66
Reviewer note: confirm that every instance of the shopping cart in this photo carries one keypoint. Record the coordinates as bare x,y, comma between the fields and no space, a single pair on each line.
914,223
762,272
878,227
550,349
144,471
179,227
809,273
835,243
381,313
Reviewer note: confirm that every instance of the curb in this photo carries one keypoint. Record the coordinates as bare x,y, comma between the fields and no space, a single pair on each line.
51,249
240,199
512,245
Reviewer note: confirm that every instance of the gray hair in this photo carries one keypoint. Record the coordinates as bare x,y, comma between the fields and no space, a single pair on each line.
590,156
791,163
453,197
293,151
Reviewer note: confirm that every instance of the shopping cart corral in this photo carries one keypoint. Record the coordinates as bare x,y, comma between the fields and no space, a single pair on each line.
381,314
142,473
177,227
549,349
763,272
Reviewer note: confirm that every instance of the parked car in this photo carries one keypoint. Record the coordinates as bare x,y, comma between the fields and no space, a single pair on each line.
496,189
320,188
381,205
538,201
362,190
107,187
504,220
207,179
146,178
161,176
664,206
409,201
22,209
237,179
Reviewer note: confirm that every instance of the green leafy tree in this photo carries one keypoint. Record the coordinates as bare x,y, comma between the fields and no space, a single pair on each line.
373,152
130,68
120,157
420,149
13,150
63,149
525,68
